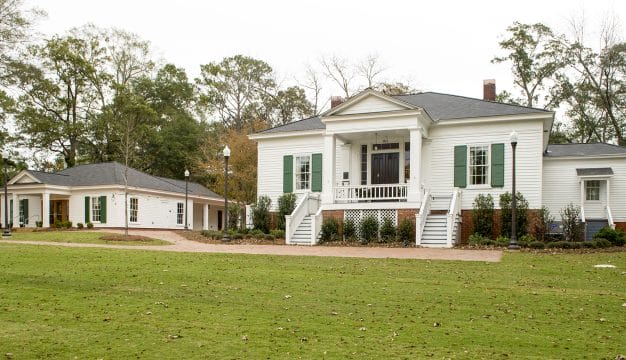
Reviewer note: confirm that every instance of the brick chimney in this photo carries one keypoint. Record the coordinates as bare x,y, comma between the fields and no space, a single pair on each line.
489,90
335,101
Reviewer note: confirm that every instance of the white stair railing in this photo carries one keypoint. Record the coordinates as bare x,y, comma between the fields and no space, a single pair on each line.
609,217
316,225
420,218
292,221
453,212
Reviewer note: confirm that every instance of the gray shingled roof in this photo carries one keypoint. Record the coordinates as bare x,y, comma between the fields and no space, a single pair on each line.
558,150
112,173
594,171
438,106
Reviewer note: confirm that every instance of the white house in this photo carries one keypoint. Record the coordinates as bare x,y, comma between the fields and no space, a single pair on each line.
427,156
95,193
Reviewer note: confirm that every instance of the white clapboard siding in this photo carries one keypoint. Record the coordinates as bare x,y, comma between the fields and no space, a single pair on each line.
438,169
371,104
270,162
561,185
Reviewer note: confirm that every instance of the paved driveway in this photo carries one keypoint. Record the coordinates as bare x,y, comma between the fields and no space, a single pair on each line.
181,244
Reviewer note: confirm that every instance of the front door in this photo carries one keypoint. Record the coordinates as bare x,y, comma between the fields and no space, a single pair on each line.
385,168
58,211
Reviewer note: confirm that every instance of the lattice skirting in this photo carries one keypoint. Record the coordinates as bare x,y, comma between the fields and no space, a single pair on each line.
379,214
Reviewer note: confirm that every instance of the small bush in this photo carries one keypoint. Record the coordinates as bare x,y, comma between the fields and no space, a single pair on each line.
477,239
234,213
39,224
79,225
387,231
590,244
261,214
602,243
349,230
58,224
526,240
536,245
369,229
286,204
67,224
557,245
521,213
616,237
330,230
482,214
278,234
502,240
572,226
212,234
236,236
269,237
541,226
488,242
90,225
406,232
256,233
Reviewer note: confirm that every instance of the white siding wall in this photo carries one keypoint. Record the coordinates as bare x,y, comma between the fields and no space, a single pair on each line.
34,210
270,162
438,168
561,185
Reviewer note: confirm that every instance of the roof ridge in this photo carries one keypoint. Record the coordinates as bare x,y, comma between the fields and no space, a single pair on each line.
477,99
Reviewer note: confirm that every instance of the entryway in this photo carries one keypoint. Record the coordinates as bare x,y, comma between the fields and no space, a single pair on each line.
385,168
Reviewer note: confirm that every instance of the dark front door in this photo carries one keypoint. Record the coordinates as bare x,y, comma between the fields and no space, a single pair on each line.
385,168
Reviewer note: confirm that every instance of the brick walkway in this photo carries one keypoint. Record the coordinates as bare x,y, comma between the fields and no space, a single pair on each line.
181,244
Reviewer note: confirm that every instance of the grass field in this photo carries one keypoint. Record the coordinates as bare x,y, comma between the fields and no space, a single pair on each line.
87,237
116,304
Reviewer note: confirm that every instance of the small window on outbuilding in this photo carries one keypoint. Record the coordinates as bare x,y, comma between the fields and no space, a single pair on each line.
592,190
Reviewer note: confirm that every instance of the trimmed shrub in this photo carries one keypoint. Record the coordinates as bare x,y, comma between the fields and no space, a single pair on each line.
602,243
369,229
589,244
616,237
557,245
387,231
39,224
541,226
278,234
261,214
572,226
90,225
502,240
526,240
521,214
286,204
330,230
406,232
236,236
256,233
488,242
67,224
477,239
269,237
58,224
212,234
79,225
349,230
536,245
482,214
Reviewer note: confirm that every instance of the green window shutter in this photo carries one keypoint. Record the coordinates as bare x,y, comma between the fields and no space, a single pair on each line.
25,210
87,210
460,166
287,173
103,209
497,165
316,173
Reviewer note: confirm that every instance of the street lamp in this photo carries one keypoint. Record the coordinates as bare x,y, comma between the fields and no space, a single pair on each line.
186,192
7,228
513,243
226,153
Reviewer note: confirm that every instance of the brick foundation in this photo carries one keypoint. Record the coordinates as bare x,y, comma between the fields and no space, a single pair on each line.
467,226
337,214
620,225
407,214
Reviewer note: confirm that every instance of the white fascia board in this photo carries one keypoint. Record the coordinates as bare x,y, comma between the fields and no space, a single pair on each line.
373,115
499,118
22,174
587,157
362,95
285,134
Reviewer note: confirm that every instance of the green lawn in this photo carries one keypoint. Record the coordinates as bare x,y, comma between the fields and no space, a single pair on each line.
87,237
115,304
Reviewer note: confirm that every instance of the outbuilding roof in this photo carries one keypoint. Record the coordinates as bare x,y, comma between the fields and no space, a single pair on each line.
595,149
607,171
112,173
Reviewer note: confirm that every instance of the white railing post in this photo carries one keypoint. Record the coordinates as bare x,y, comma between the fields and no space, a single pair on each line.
609,217
288,232
451,216
316,225
293,220
420,218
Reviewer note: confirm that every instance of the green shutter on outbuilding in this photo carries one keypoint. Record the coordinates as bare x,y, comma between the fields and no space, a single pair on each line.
316,173
460,166
287,173
87,210
25,210
497,165
103,209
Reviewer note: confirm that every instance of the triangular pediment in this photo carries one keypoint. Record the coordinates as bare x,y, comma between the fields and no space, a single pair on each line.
369,101
24,177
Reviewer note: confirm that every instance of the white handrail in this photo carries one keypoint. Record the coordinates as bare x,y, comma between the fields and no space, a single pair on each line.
609,217
582,214
351,193
455,207
292,221
420,218
316,225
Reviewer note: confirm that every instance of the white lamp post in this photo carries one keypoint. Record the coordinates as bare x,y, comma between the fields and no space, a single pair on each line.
226,153
186,192
513,243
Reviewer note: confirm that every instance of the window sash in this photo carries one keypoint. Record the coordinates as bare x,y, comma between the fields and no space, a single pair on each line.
134,210
180,212
95,209
303,172
478,165
592,190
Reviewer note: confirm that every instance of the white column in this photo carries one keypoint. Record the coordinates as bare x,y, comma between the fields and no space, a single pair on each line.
15,217
45,210
414,193
328,169
205,217
190,214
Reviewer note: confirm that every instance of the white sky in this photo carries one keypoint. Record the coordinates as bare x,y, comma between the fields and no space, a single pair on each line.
436,45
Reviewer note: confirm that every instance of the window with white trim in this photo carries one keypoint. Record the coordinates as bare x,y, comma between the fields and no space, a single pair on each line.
133,209
95,209
303,172
180,213
479,165
592,190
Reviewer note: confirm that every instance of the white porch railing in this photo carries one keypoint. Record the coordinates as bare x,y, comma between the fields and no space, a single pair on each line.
292,221
582,214
453,213
420,218
609,217
356,193
316,225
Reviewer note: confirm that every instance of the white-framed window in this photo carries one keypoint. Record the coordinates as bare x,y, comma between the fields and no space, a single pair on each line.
95,209
478,165
303,172
592,190
133,209
180,213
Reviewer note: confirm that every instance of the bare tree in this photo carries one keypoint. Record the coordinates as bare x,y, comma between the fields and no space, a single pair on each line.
340,71
313,83
370,68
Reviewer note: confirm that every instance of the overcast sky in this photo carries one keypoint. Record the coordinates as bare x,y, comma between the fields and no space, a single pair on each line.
443,46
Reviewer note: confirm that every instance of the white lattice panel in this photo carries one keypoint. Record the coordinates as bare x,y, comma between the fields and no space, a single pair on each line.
358,215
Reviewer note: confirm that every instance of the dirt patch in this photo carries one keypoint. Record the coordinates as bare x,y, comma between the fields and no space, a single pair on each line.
122,238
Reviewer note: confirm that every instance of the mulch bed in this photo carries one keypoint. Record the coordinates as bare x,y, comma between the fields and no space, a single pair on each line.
196,236
121,237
